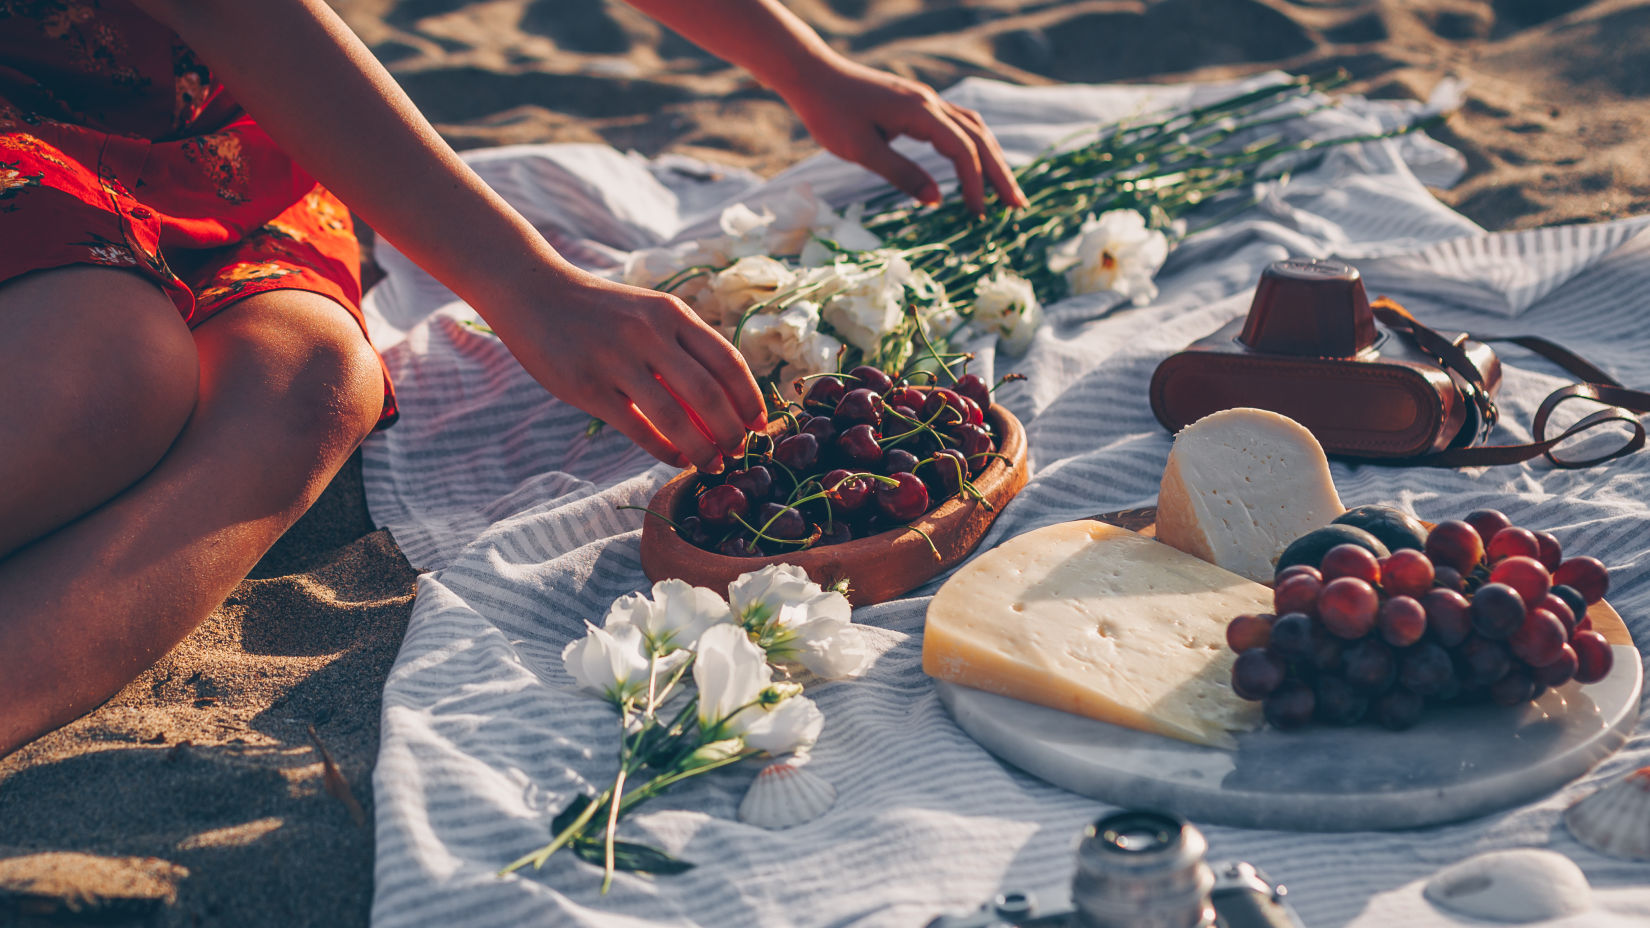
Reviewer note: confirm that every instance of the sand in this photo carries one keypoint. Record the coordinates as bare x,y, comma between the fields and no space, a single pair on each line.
197,795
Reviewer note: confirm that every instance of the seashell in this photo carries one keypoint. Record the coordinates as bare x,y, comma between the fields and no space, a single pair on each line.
1520,885
786,793
1616,819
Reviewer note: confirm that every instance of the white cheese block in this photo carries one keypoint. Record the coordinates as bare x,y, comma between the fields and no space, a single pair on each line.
1099,621
1242,484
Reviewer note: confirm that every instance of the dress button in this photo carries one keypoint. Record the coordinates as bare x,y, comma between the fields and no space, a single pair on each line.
139,212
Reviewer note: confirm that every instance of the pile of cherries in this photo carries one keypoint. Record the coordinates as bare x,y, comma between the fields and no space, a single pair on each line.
861,454
1487,611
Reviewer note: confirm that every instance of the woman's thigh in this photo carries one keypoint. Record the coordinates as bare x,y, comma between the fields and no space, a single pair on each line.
98,375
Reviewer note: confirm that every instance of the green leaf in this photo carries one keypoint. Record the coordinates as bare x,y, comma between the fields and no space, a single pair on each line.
632,857
712,753
569,814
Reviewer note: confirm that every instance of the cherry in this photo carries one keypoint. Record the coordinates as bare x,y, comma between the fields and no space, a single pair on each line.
858,406
944,407
975,388
754,481
972,413
858,444
835,533
909,412
798,452
872,378
822,428
905,395
897,460
905,500
847,490
740,545
823,394
945,472
719,505
975,443
783,522
692,530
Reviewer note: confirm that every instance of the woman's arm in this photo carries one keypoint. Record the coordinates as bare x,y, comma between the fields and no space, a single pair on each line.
852,110
617,352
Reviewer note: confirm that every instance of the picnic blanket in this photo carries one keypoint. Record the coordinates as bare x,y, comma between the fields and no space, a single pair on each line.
492,485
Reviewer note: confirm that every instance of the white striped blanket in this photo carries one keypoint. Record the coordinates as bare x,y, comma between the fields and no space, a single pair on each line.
488,482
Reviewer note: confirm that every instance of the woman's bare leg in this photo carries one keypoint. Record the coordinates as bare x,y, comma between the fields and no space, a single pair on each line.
287,389
97,372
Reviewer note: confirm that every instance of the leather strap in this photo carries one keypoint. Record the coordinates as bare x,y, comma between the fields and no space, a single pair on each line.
1620,405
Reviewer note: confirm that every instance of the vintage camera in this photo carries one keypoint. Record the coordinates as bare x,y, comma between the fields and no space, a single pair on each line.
1141,869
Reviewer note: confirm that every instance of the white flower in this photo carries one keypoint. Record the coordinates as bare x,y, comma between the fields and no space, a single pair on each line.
845,230
737,698
612,661
798,621
1006,305
651,266
816,353
675,617
796,213
768,341
744,231
871,306
751,280
1117,252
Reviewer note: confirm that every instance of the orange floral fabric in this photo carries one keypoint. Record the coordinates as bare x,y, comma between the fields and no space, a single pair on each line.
118,148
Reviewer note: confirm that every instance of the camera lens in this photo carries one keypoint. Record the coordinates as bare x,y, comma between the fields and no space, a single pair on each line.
1142,869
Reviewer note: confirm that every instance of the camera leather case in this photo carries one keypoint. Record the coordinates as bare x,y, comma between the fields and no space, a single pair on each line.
1313,349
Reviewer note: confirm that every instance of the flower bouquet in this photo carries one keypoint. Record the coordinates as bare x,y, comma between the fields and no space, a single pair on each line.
699,683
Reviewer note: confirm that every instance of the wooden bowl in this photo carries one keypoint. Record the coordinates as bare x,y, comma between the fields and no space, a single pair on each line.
877,567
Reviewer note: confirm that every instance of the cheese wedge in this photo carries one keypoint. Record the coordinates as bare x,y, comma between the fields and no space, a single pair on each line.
1241,484
1095,620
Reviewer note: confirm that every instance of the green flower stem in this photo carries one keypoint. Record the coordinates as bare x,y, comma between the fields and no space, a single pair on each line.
573,830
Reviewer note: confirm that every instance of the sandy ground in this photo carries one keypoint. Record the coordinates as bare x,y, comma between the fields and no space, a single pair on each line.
198,795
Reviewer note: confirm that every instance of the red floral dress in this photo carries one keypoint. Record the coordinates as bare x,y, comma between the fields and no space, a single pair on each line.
118,148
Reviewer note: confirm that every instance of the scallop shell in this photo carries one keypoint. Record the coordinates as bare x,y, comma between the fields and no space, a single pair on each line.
1616,819
1519,885
786,793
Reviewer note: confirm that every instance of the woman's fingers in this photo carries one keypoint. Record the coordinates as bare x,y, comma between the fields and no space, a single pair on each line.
673,421
936,127
704,401
880,157
622,414
734,379
991,155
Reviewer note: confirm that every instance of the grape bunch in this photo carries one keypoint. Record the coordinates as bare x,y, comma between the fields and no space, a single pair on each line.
861,454
1472,610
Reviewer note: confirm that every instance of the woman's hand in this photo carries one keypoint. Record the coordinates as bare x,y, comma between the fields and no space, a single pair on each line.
855,112
642,362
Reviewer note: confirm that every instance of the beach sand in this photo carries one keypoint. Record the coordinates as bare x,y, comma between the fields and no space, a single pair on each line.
198,796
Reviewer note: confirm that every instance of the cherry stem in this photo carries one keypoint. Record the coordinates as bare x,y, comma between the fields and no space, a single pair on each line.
655,514
1006,379
927,539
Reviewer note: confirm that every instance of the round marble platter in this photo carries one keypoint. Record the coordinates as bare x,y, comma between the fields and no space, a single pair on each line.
1454,764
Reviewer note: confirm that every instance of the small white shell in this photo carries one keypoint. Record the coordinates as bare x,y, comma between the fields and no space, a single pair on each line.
1520,885
1616,819
786,793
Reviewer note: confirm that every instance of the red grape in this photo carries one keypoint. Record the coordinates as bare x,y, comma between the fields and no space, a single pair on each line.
1336,702
719,505
1425,670
1552,553
1249,631
1559,671
1573,599
904,501
1407,572
1587,575
1294,636
1256,673
1561,610
1526,576
1449,578
1297,569
1486,522
1583,624
871,378
1497,611
1347,607
1369,666
1512,542
1289,706
1513,689
1402,621
1350,561
1449,616
1297,594
1484,661
1593,656
1455,544
1399,709
1538,640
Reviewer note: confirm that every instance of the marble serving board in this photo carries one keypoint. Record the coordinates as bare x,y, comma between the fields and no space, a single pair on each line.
1453,765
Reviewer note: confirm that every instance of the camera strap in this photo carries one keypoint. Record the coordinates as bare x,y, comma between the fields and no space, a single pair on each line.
1618,404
